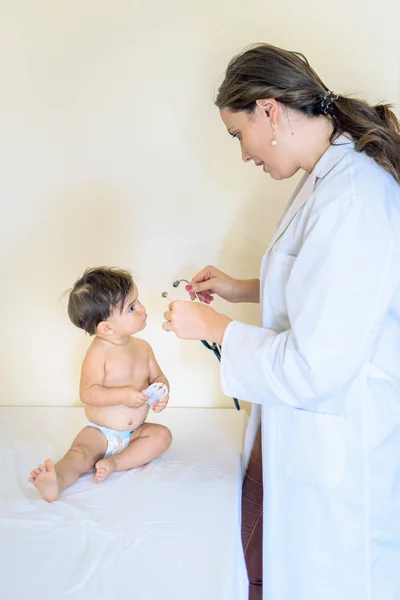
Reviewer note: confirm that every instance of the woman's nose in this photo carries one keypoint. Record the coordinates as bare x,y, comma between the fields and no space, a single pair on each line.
245,157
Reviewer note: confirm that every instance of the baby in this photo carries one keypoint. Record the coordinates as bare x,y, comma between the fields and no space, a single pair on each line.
116,373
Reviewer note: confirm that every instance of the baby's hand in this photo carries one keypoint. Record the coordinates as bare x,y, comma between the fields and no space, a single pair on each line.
159,406
134,398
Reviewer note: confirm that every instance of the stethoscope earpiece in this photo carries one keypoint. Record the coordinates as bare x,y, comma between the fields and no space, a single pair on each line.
175,285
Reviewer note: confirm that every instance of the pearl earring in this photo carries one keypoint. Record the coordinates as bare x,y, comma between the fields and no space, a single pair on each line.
273,141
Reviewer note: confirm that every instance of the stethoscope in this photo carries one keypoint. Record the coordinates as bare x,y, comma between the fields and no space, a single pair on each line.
216,349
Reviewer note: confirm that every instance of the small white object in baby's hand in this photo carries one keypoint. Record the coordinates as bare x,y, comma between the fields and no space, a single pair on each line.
155,392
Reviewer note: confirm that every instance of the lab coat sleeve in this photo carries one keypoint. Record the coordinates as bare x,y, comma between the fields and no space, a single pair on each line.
337,293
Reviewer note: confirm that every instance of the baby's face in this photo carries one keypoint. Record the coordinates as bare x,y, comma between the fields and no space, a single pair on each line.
133,317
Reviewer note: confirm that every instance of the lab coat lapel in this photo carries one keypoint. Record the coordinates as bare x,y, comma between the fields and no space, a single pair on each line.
294,206
307,184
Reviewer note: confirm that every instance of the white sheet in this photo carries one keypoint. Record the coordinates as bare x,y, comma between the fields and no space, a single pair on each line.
168,531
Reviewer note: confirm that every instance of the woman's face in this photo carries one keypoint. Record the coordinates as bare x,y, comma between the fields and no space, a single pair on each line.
255,134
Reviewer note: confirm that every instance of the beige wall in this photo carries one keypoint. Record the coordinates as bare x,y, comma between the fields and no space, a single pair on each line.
113,153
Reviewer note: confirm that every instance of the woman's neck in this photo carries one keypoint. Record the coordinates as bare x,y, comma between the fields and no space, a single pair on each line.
311,138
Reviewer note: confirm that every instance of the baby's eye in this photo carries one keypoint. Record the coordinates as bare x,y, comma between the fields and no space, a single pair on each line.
131,308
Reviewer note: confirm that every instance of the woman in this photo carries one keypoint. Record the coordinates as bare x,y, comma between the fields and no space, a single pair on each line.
323,370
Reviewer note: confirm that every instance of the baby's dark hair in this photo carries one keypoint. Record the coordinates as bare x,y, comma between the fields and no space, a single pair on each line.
96,294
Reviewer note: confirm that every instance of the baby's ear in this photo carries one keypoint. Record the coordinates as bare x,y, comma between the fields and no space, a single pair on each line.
104,328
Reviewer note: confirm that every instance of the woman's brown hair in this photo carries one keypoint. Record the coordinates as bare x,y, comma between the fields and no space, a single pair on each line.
265,71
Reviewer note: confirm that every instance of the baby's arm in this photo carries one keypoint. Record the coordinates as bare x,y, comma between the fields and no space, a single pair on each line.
92,388
155,373
157,376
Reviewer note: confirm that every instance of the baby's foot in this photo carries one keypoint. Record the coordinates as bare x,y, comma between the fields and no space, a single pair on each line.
44,478
104,468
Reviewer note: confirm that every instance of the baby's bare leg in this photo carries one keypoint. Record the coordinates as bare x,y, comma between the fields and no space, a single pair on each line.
86,449
147,442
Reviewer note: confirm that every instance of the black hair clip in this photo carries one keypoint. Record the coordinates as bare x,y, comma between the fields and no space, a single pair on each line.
326,104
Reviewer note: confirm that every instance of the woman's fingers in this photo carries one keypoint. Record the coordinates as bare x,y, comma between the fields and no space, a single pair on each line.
205,275
199,288
189,320
205,296
167,325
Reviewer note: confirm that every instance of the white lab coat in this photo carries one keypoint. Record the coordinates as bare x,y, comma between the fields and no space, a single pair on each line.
324,373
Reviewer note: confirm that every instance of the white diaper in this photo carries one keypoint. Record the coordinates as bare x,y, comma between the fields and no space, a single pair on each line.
116,440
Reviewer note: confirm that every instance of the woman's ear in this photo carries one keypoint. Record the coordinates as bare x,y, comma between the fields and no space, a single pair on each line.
270,107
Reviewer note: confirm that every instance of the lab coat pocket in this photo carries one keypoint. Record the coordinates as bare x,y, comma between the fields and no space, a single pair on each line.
311,446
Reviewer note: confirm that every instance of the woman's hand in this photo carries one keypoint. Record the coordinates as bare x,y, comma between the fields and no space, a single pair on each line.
195,322
213,281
